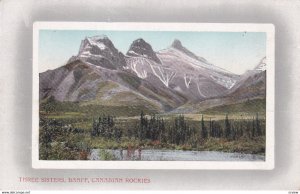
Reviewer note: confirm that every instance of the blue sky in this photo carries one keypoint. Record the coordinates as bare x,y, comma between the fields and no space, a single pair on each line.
234,51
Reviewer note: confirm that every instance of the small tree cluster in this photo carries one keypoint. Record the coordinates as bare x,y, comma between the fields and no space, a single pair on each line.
180,132
153,128
104,126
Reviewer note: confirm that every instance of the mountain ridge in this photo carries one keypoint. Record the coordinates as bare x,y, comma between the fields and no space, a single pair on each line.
163,80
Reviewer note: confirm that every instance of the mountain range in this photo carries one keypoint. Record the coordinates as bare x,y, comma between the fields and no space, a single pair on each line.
173,79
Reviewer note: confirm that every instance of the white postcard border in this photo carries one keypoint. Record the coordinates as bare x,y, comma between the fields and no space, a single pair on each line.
268,164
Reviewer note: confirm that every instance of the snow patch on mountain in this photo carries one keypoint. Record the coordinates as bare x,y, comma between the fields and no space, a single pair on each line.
100,51
164,76
201,94
224,81
96,41
172,52
142,66
262,66
133,64
187,80
218,74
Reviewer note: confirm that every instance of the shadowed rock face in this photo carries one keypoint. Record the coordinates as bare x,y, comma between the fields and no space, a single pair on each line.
140,48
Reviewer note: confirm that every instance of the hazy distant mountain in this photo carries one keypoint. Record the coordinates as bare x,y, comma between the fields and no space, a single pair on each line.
252,83
159,81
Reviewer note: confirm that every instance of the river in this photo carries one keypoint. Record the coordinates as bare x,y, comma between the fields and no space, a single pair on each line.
175,155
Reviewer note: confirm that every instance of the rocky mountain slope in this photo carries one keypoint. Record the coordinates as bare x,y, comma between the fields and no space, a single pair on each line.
184,72
159,81
249,86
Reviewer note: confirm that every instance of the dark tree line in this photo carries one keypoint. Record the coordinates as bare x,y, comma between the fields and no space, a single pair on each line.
179,131
233,129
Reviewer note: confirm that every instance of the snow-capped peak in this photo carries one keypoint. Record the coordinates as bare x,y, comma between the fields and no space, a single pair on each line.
262,66
177,44
100,51
101,42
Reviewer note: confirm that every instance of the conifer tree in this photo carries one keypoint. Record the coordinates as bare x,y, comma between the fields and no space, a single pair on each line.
258,128
203,129
253,127
227,127
210,128
142,126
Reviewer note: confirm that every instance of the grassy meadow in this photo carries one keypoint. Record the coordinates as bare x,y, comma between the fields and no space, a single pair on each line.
68,130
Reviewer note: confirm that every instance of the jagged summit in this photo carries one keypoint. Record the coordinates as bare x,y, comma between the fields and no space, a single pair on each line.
140,48
101,42
178,45
100,51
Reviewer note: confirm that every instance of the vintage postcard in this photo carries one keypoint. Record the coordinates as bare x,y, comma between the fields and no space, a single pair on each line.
153,96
